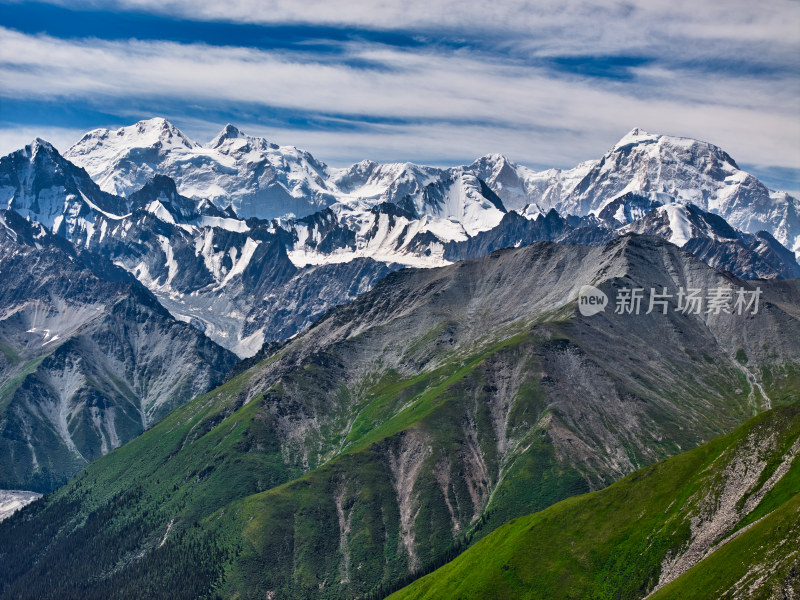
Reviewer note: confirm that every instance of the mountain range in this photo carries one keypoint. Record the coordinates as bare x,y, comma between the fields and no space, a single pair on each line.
263,180
207,228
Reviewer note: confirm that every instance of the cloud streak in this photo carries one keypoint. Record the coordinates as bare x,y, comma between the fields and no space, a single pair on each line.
605,24
549,84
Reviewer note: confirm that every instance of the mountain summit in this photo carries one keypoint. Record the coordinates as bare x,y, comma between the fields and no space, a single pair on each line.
228,132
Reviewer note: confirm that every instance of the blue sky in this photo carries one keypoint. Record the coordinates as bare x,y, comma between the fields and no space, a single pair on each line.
431,81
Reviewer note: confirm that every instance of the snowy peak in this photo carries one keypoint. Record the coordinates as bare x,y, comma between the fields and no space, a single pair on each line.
499,172
668,169
157,132
256,177
40,145
42,154
518,186
635,136
710,238
229,132
123,160
668,149
233,142
158,129
354,177
41,185
493,163
150,133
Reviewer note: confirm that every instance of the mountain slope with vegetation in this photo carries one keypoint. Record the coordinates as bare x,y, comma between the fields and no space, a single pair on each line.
720,521
406,426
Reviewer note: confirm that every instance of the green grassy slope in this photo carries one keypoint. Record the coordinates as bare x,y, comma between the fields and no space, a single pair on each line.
612,543
244,522
763,562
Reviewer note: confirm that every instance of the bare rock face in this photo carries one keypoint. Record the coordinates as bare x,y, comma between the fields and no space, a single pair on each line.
89,358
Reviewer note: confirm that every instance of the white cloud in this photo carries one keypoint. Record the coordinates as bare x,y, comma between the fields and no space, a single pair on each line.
450,104
609,23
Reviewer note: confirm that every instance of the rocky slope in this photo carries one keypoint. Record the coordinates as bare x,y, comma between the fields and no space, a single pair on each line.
12,500
412,422
89,358
721,521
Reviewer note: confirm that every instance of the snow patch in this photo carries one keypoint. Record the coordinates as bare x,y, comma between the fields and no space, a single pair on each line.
678,223
241,264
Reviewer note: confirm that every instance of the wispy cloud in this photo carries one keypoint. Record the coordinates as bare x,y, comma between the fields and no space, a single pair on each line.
608,24
548,83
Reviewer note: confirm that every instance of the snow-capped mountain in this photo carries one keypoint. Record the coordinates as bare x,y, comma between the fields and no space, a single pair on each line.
38,183
261,179
256,177
247,281
659,169
668,169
